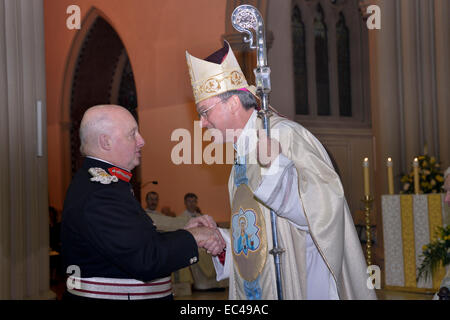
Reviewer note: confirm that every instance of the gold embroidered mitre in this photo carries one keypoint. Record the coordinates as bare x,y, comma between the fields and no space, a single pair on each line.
218,73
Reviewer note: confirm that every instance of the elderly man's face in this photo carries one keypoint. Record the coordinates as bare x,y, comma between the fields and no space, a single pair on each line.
126,141
447,188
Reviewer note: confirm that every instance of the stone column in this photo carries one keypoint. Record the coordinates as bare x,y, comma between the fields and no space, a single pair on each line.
427,74
425,77
24,218
411,93
442,45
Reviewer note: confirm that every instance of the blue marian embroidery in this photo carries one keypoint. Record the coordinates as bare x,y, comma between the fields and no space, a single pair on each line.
245,232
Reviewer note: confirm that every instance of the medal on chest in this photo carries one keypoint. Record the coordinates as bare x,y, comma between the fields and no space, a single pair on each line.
100,175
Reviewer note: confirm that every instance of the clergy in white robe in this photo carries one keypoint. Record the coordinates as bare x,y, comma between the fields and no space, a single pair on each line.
323,258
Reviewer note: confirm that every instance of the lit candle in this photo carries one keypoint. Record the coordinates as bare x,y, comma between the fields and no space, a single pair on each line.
366,176
416,175
390,176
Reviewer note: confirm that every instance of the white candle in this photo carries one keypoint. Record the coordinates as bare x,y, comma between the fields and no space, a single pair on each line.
390,173
366,177
416,176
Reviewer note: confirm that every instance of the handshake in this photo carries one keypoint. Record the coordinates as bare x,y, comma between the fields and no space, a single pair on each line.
206,234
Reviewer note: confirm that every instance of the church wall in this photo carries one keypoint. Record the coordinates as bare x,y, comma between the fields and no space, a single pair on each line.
155,35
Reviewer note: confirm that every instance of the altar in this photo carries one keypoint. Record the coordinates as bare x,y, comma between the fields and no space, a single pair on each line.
410,222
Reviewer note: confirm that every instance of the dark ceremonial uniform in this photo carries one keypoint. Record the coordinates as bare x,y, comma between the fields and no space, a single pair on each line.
113,242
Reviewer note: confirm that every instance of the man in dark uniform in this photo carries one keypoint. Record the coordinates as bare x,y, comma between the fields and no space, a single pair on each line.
108,240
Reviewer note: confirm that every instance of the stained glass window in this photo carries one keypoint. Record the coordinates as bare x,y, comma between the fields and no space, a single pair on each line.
321,52
344,75
299,57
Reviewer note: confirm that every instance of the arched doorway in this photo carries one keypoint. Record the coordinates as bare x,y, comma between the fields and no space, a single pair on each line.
102,75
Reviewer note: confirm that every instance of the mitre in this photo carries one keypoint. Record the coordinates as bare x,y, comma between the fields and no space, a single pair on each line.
218,73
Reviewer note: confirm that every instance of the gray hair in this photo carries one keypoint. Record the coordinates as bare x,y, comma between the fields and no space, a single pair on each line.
247,99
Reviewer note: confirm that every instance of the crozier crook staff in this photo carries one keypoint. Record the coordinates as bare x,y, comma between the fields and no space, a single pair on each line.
244,18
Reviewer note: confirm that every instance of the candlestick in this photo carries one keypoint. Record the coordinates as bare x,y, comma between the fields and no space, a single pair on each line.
366,177
390,176
416,176
367,209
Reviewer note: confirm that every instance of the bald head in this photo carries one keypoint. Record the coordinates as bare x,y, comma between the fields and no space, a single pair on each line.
110,132
96,121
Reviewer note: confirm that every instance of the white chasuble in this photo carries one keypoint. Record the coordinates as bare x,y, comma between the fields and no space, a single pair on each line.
329,229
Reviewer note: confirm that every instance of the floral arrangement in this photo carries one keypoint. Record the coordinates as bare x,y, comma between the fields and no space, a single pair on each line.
435,253
431,179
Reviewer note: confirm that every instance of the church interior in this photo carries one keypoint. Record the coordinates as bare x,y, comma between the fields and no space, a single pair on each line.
369,78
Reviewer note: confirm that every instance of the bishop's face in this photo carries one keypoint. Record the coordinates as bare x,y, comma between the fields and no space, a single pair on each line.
214,114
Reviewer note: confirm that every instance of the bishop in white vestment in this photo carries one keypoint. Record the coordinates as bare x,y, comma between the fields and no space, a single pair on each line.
323,258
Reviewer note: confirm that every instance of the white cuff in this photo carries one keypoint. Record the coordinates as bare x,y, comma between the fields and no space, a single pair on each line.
223,270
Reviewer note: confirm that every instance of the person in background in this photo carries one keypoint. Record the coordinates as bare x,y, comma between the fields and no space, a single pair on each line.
152,199
192,210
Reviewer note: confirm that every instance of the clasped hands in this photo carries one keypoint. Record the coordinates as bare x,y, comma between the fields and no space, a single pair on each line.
206,234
